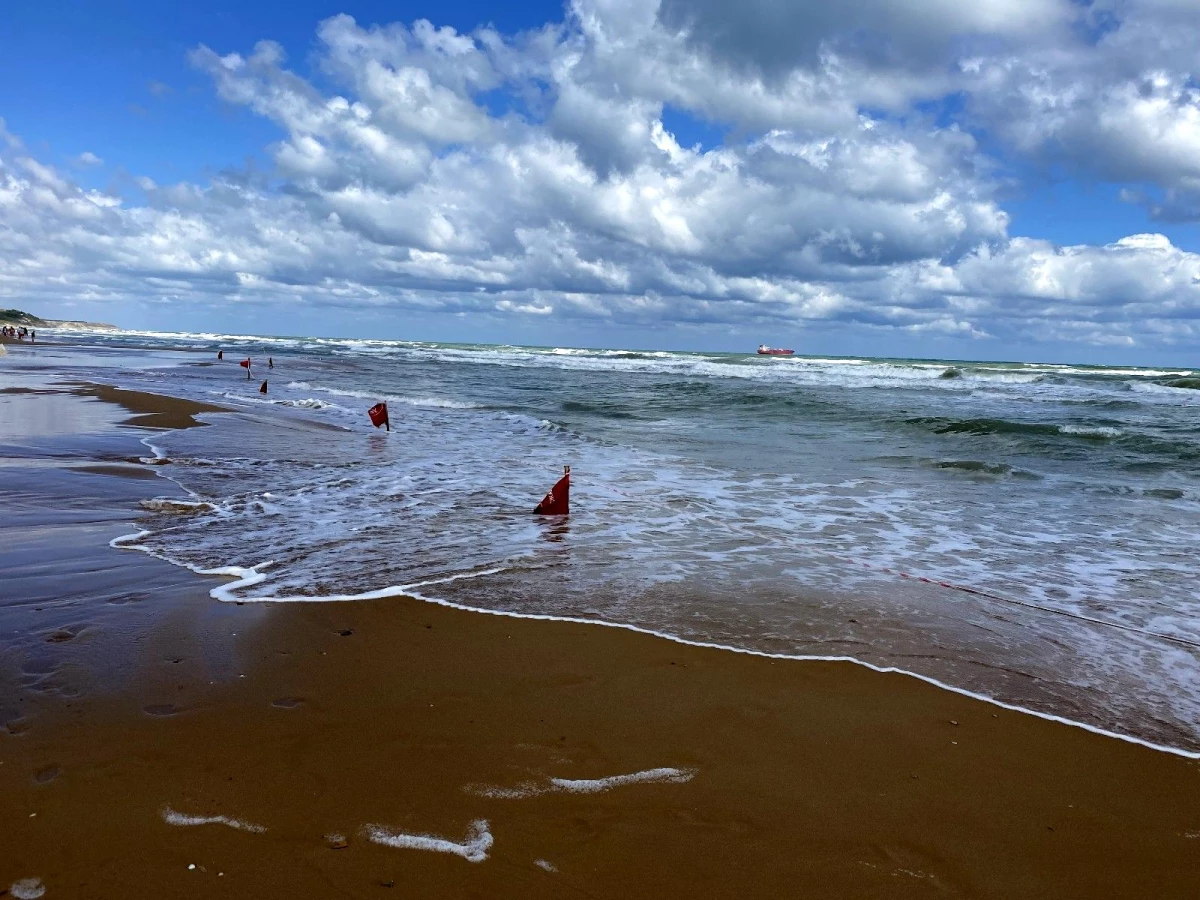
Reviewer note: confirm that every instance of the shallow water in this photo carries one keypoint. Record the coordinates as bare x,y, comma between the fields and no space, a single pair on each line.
788,505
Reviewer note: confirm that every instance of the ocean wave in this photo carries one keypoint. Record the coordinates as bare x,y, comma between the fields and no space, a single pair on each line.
308,403
1096,431
434,402
983,426
599,408
1166,392
986,426
975,466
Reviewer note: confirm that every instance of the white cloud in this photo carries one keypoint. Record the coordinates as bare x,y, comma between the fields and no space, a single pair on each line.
403,182
88,158
901,33
1122,106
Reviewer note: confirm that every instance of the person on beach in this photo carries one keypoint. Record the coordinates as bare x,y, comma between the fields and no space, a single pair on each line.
270,363
33,336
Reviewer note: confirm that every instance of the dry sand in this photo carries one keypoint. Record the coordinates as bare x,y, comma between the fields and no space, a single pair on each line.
313,721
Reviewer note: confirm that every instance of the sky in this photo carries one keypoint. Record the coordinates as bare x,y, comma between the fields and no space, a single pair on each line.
1001,179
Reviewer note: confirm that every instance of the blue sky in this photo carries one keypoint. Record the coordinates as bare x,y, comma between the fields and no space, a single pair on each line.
114,79
902,177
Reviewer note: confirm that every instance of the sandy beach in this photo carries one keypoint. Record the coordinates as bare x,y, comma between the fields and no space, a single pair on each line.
158,743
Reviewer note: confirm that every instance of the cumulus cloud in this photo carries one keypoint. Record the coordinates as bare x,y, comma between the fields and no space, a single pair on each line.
779,35
1137,288
1121,103
401,181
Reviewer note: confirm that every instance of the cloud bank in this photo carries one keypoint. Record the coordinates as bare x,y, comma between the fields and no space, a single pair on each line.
531,176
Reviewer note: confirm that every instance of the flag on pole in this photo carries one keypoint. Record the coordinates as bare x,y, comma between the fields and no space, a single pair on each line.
245,364
263,389
558,501
379,415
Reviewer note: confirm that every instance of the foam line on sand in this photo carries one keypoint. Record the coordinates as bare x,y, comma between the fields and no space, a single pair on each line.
473,849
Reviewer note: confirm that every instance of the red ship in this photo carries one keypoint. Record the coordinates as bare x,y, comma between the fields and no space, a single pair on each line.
764,350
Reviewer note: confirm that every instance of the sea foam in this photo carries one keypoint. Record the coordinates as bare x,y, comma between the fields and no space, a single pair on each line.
663,775
171,817
473,849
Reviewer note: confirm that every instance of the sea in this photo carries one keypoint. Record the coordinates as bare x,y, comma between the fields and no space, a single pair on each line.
1026,532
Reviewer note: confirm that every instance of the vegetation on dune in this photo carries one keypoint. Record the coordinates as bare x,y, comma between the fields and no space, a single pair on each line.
19,317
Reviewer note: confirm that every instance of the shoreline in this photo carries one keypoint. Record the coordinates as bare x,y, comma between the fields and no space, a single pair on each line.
163,412
180,413
400,713
157,411
247,576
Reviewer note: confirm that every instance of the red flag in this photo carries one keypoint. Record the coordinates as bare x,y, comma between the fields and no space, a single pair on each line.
245,364
558,501
263,389
379,415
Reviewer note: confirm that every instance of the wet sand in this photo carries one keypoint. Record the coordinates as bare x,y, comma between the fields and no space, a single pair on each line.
317,721
151,410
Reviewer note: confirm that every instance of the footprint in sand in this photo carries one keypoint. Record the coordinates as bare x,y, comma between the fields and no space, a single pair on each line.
47,774
160,709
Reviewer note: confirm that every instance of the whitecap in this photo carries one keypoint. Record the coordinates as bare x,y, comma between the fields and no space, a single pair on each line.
1084,431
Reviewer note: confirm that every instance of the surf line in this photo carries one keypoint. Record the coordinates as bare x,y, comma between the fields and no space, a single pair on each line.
1145,632
966,589
250,576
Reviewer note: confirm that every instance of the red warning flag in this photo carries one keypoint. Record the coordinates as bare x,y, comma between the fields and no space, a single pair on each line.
558,501
263,389
379,416
245,364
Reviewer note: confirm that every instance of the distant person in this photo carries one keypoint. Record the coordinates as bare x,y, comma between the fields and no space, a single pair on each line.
33,336
220,354
270,363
